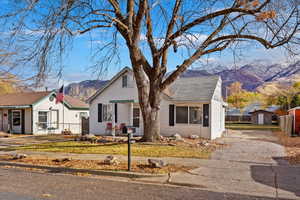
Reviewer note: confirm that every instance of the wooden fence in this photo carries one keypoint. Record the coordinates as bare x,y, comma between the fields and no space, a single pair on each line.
286,124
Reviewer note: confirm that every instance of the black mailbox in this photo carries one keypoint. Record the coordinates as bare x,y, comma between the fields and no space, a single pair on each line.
128,129
124,129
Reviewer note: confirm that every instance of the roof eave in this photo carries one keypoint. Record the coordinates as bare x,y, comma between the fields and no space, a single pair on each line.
19,106
120,73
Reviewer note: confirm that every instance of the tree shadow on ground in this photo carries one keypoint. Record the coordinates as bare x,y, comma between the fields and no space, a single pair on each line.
281,176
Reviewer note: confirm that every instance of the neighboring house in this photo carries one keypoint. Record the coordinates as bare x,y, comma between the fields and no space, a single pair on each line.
237,115
190,106
38,113
261,117
251,112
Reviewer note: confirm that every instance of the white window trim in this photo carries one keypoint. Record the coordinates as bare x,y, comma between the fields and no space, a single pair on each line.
126,81
104,119
38,121
188,123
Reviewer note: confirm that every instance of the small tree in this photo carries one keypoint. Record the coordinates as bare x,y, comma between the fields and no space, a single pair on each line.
151,30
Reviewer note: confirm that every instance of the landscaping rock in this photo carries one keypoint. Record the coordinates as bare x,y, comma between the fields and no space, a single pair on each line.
203,143
177,137
66,132
90,137
132,141
155,163
111,160
59,160
103,141
19,156
194,136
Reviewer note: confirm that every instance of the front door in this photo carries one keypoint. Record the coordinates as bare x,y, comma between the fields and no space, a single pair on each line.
261,118
16,121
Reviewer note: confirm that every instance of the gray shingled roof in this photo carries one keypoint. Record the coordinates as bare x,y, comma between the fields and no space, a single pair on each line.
193,89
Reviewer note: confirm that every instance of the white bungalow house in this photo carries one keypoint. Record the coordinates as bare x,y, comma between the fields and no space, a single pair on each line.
38,113
190,106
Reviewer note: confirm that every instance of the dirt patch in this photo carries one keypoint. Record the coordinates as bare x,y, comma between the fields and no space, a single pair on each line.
140,167
292,146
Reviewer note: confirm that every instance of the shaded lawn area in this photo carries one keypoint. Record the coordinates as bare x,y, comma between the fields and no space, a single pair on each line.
137,149
240,126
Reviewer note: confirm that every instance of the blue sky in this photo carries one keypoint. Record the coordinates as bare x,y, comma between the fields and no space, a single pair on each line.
77,64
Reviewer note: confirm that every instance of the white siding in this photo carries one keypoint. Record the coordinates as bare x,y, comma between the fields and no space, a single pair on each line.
27,119
183,129
217,112
114,92
67,118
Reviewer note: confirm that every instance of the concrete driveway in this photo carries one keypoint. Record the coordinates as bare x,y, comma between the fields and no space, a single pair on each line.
20,140
253,164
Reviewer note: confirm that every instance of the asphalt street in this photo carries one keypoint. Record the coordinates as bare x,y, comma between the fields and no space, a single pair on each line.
20,184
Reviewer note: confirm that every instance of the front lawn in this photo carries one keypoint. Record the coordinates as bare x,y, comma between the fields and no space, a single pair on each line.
138,149
240,126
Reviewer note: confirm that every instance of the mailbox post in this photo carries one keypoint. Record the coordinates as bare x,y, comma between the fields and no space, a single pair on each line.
129,150
129,132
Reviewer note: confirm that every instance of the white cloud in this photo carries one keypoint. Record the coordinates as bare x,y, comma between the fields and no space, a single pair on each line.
191,39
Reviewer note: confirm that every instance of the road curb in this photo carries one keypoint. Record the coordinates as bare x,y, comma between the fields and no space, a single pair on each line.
75,170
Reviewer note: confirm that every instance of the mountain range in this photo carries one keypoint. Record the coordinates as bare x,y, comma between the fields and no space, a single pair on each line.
254,76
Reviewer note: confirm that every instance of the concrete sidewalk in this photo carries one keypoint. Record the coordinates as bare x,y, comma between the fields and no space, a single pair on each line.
252,165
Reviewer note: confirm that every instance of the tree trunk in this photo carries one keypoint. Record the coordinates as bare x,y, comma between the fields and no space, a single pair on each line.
150,107
151,126
149,100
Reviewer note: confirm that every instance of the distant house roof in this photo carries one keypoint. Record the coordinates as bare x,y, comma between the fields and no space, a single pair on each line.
236,112
193,89
29,98
295,108
255,111
183,89
251,108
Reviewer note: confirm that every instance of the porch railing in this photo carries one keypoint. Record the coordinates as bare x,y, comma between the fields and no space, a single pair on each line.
74,128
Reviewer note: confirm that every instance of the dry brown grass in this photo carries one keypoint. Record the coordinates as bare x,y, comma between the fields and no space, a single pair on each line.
190,148
97,165
292,146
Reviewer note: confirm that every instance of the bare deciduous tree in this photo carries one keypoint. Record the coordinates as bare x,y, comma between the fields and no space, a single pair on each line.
152,30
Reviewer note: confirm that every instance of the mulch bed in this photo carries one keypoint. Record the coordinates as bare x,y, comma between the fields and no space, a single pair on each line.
96,165
186,142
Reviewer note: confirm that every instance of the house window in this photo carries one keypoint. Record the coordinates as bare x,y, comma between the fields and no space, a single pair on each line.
107,112
136,117
188,115
195,115
182,114
42,119
16,118
124,81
